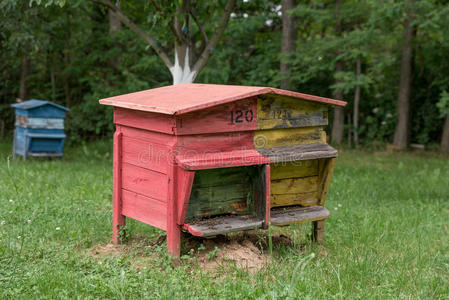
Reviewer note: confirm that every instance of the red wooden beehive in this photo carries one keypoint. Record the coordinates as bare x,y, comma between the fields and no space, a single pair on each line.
203,158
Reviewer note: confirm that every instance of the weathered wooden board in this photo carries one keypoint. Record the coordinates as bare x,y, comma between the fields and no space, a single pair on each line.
274,111
50,109
145,154
303,199
145,182
288,137
223,225
47,123
211,143
144,120
184,182
298,152
144,209
234,116
167,140
220,159
294,185
294,169
326,168
292,215
302,175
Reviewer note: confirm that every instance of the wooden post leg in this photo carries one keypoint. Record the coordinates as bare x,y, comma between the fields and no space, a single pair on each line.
174,240
118,224
318,231
173,229
118,220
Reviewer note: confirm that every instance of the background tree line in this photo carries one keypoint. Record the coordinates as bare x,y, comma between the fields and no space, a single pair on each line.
389,59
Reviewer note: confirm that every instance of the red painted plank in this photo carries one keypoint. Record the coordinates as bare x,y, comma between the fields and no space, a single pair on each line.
145,154
150,136
145,182
144,120
118,220
144,209
192,230
235,116
184,185
209,143
189,97
221,160
173,229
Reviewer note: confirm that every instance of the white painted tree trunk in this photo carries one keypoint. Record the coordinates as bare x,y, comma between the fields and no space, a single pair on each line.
181,71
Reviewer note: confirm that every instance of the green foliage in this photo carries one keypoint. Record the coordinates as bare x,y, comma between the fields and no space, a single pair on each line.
443,104
212,254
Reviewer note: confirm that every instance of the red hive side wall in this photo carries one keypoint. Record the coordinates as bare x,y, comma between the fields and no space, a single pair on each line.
145,169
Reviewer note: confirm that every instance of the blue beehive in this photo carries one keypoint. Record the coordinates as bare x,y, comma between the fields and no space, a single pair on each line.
39,128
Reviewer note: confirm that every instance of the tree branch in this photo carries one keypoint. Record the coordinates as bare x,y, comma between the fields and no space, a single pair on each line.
204,56
176,33
177,26
136,29
203,33
159,9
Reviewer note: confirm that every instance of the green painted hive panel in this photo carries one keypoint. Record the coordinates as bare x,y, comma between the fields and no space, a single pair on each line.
223,191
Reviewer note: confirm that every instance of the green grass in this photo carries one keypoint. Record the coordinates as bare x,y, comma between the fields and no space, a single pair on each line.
387,237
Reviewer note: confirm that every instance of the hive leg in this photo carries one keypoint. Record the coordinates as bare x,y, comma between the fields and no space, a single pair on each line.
174,240
118,220
173,229
118,225
318,231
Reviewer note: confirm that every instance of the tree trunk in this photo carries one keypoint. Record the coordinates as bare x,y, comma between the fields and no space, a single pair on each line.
23,75
289,35
355,117
445,136
66,77
402,131
114,26
114,22
338,124
181,71
339,117
53,82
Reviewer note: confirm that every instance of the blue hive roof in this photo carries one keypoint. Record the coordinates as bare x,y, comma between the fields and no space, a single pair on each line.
33,103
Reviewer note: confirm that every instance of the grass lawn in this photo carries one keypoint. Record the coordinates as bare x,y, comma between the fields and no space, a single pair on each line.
387,237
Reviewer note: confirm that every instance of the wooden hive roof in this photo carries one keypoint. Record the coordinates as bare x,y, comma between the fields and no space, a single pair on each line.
34,103
189,97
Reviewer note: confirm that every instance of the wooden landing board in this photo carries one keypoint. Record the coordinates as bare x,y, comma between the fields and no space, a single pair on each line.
298,152
222,225
291,215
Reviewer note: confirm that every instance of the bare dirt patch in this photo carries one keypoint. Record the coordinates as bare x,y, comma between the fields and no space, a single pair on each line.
243,250
107,250
248,251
